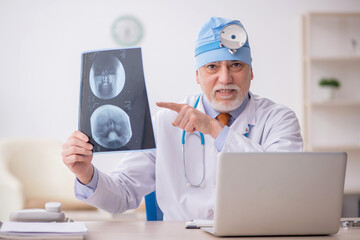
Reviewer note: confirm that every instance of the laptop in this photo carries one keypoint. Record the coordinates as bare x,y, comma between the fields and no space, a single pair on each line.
266,194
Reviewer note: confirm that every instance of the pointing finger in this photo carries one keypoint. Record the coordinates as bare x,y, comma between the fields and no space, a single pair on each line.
169,105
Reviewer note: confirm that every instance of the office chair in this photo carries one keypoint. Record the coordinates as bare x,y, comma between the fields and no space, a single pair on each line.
153,212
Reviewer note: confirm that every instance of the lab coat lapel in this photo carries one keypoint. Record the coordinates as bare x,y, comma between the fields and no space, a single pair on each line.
246,117
200,106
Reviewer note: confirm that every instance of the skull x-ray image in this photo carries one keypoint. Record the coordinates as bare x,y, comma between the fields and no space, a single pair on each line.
114,109
107,76
110,126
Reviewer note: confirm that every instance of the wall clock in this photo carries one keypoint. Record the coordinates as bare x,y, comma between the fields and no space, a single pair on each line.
127,31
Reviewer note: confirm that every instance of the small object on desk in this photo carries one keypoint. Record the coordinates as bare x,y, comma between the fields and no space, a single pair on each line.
53,206
198,223
51,213
41,230
350,224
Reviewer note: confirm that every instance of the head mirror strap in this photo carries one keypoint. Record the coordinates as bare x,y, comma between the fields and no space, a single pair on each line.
207,47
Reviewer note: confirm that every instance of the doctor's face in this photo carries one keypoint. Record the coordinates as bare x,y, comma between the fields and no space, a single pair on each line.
225,83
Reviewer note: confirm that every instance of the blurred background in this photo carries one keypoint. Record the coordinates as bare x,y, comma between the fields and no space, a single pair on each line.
41,42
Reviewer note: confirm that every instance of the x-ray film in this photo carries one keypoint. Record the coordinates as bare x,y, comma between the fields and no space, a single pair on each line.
114,109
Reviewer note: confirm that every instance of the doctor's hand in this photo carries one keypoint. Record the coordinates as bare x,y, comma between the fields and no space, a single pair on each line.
191,119
77,156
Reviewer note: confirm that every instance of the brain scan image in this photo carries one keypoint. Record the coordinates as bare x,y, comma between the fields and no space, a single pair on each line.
110,126
107,76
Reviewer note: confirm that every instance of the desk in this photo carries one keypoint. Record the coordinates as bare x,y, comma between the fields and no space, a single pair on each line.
109,230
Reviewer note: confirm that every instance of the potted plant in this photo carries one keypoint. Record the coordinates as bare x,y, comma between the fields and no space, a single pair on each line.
328,87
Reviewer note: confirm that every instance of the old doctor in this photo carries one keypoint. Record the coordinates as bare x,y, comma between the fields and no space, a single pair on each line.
225,117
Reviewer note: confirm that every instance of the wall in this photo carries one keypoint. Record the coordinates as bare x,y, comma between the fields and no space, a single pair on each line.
41,42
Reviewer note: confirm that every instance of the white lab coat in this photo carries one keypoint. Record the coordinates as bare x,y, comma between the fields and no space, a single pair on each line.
274,128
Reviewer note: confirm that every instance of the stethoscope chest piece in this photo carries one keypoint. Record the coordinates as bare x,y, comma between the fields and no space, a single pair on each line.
202,185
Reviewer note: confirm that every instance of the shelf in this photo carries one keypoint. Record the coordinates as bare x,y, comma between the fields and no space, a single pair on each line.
332,14
331,49
352,190
336,58
340,148
353,58
335,104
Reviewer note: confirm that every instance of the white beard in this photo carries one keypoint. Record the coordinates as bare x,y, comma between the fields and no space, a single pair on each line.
229,106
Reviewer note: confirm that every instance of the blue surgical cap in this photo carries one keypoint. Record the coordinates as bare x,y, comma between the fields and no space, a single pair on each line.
207,48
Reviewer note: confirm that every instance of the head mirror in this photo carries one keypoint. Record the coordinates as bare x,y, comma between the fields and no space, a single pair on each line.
233,37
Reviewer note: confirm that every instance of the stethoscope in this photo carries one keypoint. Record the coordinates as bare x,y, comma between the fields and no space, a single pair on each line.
202,140
202,182
233,37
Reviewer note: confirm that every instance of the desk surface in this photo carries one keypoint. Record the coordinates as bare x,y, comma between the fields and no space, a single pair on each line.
176,230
